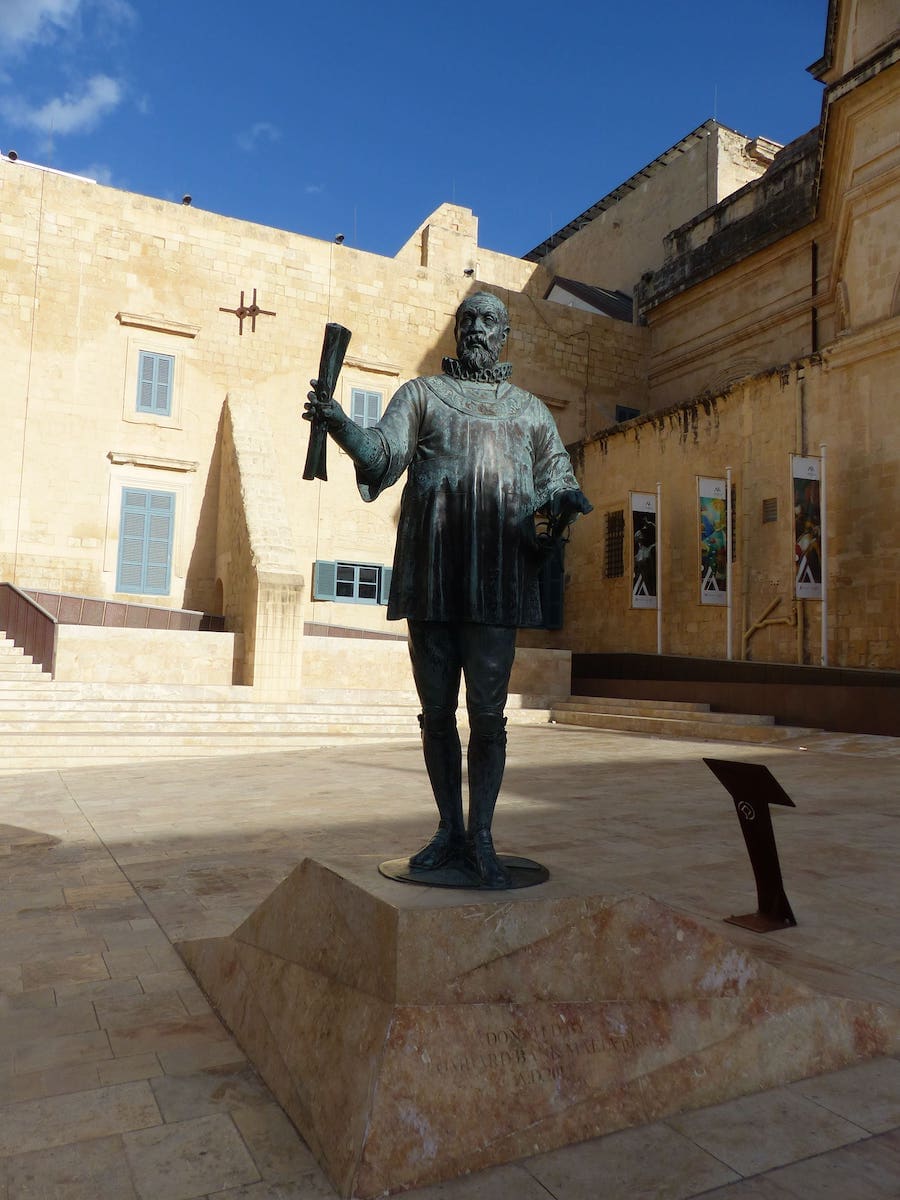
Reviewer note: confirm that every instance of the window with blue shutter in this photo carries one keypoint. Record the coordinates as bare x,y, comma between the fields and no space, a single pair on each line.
156,374
146,536
324,577
365,407
352,583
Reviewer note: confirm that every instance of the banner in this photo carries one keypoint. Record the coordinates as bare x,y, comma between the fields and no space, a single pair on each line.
643,527
713,540
805,478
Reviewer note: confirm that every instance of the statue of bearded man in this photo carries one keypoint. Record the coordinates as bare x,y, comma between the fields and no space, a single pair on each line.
482,458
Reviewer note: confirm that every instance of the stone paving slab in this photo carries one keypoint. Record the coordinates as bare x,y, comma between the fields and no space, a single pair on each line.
117,1080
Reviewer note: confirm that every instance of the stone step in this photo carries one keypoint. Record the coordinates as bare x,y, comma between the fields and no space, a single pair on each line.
58,758
628,704
659,709
698,727
242,710
9,651
12,656
28,724
116,691
139,732
154,739
34,688
100,712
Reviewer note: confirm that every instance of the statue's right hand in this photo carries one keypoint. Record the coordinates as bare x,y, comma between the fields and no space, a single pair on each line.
323,408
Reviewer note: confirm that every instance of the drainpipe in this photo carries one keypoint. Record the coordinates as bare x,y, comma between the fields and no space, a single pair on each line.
729,636
823,554
658,569
814,288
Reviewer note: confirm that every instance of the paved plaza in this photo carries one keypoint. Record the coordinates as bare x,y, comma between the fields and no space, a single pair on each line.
117,1080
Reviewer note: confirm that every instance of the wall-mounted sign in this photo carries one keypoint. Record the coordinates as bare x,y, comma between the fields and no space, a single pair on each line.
643,530
713,510
806,474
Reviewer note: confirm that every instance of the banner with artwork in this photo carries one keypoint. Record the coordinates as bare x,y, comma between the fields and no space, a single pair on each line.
806,476
643,527
711,494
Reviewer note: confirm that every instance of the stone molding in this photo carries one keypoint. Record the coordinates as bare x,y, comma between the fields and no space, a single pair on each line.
159,324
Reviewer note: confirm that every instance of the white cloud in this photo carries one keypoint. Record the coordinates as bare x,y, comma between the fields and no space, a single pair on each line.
261,131
314,189
71,113
99,171
26,21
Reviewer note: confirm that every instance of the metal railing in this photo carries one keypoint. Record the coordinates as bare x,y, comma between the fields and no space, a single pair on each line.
29,625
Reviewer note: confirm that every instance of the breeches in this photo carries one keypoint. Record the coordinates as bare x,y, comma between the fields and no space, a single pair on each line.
442,652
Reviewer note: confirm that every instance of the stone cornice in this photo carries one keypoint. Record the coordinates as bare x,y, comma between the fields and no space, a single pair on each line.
127,458
158,324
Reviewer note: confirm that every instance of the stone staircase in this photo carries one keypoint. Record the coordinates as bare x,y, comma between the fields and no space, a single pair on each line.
16,667
49,725
671,718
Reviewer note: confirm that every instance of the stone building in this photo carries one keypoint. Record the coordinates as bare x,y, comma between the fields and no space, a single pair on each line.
732,304
772,326
158,359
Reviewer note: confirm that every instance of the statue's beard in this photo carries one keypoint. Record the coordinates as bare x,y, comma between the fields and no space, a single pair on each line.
475,357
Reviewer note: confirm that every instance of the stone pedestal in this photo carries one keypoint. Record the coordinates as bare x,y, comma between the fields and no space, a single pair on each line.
414,1035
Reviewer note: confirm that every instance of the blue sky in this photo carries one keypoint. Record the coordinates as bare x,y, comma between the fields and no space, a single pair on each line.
361,118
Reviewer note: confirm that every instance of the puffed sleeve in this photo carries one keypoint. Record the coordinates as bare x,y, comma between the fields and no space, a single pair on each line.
552,467
398,431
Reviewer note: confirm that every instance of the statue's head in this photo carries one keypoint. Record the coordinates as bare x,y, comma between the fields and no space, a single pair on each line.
482,323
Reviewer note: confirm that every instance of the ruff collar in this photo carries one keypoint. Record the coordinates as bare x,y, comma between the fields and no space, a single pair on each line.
498,373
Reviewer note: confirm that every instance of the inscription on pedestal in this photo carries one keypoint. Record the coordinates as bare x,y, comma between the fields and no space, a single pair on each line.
522,1058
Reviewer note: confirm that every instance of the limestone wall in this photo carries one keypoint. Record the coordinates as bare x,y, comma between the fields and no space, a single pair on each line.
93,276
753,428
619,244
862,28
540,674
92,654
262,589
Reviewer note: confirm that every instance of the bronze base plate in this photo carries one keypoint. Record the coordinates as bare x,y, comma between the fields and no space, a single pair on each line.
524,872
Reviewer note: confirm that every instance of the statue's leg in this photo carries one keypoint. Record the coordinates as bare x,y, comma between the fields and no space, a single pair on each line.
487,662
436,667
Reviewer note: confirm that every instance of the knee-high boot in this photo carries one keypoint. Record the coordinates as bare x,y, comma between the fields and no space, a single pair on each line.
443,761
486,760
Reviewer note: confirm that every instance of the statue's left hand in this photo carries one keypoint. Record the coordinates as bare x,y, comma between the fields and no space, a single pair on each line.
567,505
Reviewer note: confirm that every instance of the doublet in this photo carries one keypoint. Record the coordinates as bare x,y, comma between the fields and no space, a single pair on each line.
481,458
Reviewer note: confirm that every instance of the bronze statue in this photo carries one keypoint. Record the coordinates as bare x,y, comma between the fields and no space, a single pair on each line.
482,458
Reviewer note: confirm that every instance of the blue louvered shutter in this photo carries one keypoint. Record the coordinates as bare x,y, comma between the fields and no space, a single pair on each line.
146,535
324,580
155,376
365,407
385,589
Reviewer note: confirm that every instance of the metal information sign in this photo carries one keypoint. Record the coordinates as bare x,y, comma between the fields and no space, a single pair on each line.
753,788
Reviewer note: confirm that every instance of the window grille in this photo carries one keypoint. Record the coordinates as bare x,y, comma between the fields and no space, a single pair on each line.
614,564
